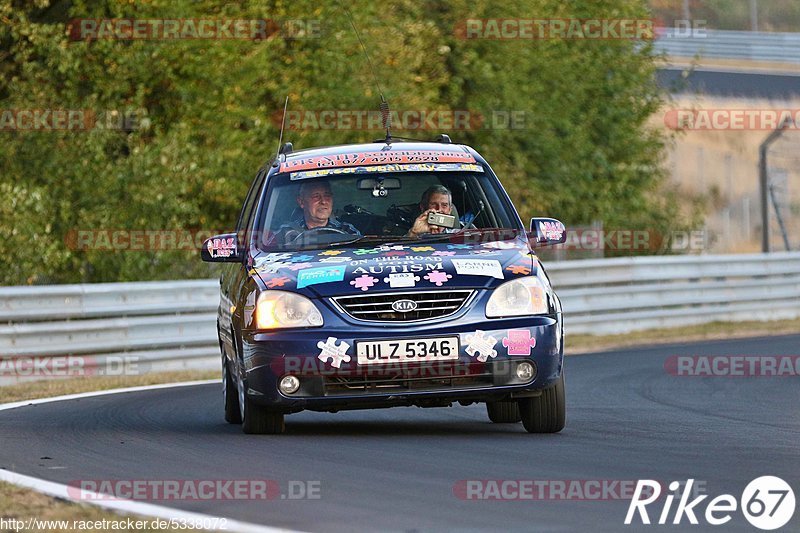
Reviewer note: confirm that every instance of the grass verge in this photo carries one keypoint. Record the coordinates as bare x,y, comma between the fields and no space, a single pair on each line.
578,344
58,387
25,510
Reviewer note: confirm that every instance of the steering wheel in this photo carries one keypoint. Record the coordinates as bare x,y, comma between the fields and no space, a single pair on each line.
317,231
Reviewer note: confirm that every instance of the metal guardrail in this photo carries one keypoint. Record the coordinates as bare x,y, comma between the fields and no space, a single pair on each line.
605,296
108,328
171,325
743,45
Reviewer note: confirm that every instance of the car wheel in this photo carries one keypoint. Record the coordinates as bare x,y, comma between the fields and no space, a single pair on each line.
256,420
230,395
503,412
545,413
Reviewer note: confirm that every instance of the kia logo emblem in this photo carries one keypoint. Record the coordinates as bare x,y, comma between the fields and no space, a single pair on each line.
404,306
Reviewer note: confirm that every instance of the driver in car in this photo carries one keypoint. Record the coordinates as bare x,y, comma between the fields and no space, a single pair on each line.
316,201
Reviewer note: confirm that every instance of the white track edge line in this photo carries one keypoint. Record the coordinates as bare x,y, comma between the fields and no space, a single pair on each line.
60,491
80,395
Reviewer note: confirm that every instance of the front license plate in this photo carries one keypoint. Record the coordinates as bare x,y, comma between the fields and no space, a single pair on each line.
407,350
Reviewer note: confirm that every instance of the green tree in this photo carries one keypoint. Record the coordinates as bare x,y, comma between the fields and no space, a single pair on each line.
205,113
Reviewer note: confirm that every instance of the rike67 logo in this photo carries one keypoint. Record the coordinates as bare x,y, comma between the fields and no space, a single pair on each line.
767,502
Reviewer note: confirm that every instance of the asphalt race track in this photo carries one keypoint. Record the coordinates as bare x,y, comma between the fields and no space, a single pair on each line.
396,469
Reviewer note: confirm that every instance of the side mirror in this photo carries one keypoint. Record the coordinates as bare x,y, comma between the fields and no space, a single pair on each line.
221,249
547,232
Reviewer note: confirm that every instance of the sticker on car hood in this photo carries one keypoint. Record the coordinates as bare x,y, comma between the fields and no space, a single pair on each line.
478,267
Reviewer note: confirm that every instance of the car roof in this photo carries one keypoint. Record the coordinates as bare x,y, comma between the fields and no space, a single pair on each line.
381,148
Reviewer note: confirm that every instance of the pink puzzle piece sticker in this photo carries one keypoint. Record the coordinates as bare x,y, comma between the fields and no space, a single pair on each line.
437,277
364,282
519,342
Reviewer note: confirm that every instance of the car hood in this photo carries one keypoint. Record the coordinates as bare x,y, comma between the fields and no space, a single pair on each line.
399,267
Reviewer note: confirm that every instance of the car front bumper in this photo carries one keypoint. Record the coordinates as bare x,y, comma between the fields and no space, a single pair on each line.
267,357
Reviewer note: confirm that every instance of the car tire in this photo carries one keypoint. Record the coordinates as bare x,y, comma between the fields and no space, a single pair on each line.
545,413
230,395
503,412
260,421
256,419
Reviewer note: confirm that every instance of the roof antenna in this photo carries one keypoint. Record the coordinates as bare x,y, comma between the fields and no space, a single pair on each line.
280,138
386,119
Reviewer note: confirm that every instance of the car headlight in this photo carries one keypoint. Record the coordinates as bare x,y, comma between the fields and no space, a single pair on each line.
279,309
519,297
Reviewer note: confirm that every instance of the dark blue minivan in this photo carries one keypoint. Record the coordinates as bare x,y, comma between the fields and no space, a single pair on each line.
381,275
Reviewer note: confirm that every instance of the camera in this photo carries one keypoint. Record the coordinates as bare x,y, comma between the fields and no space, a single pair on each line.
439,219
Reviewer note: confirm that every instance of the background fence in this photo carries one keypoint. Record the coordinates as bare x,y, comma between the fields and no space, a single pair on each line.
171,325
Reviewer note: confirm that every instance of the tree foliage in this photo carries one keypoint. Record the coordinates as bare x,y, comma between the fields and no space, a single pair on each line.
205,117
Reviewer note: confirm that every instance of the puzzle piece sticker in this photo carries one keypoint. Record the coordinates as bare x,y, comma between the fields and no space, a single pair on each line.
441,253
422,248
272,257
363,251
332,252
459,246
298,266
301,258
335,353
501,245
272,268
478,343
438,277
400,280
395,254
337,259
364,282
277,282
519,270
484,252
385,248
519,342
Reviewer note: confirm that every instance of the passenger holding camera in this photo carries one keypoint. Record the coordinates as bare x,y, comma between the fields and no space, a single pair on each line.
435,199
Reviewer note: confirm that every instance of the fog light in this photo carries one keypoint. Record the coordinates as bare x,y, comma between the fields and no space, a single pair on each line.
290,384
525,371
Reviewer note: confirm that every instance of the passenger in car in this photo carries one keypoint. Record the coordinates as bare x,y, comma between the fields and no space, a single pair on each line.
435,199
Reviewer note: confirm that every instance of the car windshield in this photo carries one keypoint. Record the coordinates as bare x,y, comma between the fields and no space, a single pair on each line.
306,211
